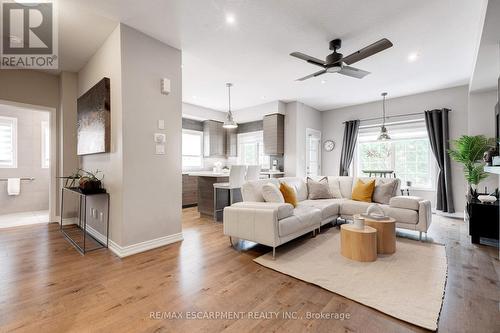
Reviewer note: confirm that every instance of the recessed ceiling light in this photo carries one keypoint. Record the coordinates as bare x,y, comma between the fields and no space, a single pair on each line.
195,97
412,57
230,19
262,97
323,81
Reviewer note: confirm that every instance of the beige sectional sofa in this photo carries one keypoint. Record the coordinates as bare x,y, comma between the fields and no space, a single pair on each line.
273,224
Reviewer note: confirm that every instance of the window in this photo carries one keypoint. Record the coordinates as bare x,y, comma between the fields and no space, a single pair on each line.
8,142
251,149
45,145
192,149
408,153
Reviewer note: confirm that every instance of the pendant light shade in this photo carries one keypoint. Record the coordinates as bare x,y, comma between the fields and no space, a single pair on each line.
384,135
229,122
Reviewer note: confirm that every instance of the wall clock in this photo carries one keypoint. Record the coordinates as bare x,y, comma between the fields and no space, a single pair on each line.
329,145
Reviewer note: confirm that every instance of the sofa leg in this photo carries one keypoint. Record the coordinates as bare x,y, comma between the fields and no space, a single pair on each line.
314,233
231,241
420,235
274,253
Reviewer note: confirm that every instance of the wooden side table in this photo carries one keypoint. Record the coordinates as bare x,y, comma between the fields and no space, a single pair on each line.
386,234
358,244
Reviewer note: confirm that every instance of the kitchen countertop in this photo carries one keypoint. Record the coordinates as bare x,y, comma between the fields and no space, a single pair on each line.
209,173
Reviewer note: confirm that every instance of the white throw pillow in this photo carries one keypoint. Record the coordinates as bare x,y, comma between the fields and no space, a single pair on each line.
334,187
272,193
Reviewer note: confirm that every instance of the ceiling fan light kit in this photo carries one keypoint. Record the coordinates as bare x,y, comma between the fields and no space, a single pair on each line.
337,63
229,122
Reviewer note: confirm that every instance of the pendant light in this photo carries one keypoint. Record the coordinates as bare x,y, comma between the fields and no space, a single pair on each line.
383,130
229,123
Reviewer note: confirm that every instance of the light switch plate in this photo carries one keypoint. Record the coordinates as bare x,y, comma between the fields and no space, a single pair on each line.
160,149
165,86
161,124
160,137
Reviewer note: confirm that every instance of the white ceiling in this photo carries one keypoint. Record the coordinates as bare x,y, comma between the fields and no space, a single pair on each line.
487,64
254,52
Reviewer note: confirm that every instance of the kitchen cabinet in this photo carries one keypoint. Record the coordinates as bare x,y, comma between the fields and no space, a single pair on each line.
214,139
274,134
231,142
189,190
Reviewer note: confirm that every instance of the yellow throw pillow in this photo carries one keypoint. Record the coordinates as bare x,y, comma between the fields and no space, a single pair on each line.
289,194
363,191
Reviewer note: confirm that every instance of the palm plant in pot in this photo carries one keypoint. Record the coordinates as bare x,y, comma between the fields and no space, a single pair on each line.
468,151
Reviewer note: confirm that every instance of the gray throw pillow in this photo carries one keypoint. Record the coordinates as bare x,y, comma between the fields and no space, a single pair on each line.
318,189
384,192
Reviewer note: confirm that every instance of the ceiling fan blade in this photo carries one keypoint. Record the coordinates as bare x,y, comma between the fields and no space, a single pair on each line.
368,51
353,72
309,59
312,75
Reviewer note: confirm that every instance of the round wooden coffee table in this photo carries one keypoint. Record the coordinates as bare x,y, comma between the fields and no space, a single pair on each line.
358,244
386,233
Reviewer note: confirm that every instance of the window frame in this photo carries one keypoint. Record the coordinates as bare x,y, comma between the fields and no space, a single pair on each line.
12,121
433,169
263,160
201,156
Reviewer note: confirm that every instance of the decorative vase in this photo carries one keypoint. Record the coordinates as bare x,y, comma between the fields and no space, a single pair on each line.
359,223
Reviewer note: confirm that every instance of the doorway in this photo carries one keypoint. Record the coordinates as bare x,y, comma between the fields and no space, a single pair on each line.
25,165
313,152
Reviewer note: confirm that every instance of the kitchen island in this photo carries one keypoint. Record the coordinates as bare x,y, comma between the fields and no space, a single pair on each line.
206,181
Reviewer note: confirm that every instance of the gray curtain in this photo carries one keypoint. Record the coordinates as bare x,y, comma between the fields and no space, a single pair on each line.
348,144
438,130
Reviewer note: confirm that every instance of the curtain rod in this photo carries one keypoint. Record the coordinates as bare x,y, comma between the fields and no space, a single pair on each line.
388,117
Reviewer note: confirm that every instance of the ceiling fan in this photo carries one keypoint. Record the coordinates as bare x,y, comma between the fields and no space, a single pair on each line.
336,62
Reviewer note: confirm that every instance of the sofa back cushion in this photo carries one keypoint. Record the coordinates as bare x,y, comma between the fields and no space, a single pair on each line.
299,184
252,191
341,186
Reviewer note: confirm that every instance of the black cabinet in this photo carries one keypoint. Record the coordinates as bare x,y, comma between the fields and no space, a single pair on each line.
483,220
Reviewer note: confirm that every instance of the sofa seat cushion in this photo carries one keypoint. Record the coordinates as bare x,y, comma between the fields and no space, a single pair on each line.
401,215
284,210
406,202
351,207
303,217
329,207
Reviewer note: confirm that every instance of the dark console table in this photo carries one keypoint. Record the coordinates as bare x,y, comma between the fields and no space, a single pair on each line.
483,220
75,227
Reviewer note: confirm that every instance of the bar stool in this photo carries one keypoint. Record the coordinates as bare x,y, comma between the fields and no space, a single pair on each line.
236,179
253,173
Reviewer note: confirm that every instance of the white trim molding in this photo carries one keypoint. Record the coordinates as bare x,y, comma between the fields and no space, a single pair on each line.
125,251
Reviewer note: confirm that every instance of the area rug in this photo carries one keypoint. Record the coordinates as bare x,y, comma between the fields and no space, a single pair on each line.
408,285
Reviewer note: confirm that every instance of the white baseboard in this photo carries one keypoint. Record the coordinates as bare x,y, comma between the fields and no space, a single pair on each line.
125,251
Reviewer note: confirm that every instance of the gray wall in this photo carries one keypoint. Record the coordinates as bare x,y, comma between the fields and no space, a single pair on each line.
299,117
455,99
34,194
106,62
145,188
152,183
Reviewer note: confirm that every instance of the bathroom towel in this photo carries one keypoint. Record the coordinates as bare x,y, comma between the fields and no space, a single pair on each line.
13,186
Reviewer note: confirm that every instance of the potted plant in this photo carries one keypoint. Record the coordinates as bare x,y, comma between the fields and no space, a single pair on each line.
469,150
90,182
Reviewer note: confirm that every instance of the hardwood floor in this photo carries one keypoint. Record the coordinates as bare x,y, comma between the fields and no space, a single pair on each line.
46,286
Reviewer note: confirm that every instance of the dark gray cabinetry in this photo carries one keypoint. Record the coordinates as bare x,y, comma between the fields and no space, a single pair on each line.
274,134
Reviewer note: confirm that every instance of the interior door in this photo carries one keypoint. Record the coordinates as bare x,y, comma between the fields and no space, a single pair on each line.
313,152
